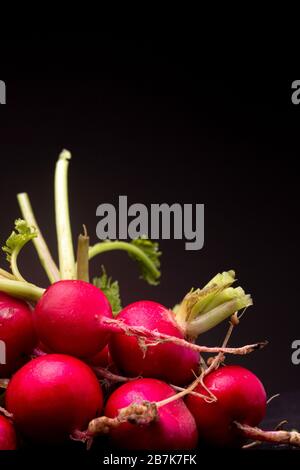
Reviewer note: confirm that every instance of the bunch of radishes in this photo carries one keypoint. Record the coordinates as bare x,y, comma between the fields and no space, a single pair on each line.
79,366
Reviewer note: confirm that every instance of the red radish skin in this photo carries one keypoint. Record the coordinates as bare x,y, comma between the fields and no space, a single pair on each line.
240,397
17,333
52,396
67,318
8,439
167,361
174,429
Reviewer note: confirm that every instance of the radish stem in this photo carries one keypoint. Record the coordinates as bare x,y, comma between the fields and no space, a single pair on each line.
83,256
22,290
6,275
39,242
134,250
104,373
14,265
210,319
203,309
62,215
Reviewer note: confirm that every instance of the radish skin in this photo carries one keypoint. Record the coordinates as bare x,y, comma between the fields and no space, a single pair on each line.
17,333
155,360
8,439
52,396
173,429
240,396
67,318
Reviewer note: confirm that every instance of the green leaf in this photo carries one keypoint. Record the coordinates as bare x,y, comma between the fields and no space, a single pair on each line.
149,271
110,289
22,234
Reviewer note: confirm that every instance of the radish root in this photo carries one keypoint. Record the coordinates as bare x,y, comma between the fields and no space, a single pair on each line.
105,374
117,326
5,413
136,413
291,438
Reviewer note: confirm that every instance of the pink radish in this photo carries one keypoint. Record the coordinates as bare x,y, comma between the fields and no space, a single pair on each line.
53,396
240,397
67,318
17,333
167,361
173,428
8,440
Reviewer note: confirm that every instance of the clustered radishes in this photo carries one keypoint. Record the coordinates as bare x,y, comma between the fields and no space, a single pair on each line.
79,366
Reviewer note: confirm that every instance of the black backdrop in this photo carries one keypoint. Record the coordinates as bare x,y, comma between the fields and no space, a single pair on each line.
141,120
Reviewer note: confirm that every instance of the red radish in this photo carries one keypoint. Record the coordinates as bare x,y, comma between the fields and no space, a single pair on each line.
67,318
173,429
166,361
240,397
8,439
17,333
52,396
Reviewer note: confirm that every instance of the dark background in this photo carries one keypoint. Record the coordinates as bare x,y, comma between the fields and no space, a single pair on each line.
141,120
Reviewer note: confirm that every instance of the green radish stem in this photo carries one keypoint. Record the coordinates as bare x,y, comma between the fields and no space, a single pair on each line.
62,216
18,238
22,290
83,256
108,245
14,265
209,320
6,275
39,242
203,309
